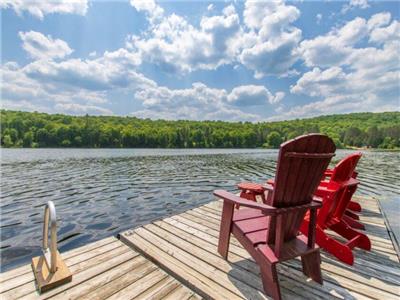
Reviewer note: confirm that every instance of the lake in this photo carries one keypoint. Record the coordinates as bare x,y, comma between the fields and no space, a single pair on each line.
101,192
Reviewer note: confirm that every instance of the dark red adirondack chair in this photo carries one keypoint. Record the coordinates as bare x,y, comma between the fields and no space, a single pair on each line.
270,231
336,195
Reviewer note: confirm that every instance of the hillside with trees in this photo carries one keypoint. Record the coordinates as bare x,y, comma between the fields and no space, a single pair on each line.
27,129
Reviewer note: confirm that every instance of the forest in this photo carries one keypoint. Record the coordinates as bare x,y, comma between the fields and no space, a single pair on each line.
34,129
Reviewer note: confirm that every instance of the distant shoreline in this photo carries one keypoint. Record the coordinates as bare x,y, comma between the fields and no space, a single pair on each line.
357,131
133,148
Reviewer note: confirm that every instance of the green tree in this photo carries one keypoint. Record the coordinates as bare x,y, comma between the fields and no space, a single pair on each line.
44,130
7,141
28,139
274,139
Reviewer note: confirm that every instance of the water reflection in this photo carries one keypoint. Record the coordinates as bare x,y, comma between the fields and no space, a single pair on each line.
99,193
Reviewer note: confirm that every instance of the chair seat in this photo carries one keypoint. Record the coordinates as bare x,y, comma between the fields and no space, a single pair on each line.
252,223
295,247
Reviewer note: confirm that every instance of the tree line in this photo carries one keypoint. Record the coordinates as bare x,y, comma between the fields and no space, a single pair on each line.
34,129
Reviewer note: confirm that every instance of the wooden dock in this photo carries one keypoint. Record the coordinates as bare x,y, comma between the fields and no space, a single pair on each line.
176,258
106,269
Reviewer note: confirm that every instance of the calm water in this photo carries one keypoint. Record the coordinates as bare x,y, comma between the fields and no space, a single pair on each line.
99,193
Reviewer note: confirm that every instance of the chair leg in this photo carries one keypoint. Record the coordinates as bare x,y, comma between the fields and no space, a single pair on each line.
352,214
354,206
225,229
270,281
349,233
339,250
353,223
312,266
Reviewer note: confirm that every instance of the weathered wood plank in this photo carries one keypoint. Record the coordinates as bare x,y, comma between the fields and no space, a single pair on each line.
195,280
70,261
83,271
144,283
98,282
181,292
124,280
160,289
74,252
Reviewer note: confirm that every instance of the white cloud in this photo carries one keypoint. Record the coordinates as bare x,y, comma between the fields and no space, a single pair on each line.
270,45
361,4
70,85
39,46
266,43
153,11
112,70
79,109
390,33
201,102
39,8
364,79
173,44
81,86
247,95
21,92
379,20
337,46
210,7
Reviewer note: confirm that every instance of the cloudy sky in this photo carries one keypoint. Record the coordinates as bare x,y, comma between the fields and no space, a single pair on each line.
235,61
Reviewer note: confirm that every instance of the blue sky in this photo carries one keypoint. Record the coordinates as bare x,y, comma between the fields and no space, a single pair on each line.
198,60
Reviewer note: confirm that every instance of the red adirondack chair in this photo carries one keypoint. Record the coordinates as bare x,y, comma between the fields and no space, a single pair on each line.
350,217
353,206
270,231
251,190
336,194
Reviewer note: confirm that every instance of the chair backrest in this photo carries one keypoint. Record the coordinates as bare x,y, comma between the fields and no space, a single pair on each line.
345,169
301,166
343,175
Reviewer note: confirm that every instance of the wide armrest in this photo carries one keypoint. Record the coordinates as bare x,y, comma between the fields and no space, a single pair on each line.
268,210
227,196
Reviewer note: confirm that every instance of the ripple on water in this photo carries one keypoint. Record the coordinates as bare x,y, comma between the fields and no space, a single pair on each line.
99,193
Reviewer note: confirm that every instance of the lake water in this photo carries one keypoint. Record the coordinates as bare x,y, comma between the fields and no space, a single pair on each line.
101,192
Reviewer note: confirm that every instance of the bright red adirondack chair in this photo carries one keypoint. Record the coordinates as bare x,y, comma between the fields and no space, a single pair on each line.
349,217
270,232
336,194
353,206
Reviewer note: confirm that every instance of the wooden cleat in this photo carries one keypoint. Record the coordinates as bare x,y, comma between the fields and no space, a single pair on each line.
45,279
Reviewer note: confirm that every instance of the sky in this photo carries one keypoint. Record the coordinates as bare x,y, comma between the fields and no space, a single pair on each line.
200,60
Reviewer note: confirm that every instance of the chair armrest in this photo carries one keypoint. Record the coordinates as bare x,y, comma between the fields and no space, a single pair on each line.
227,196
